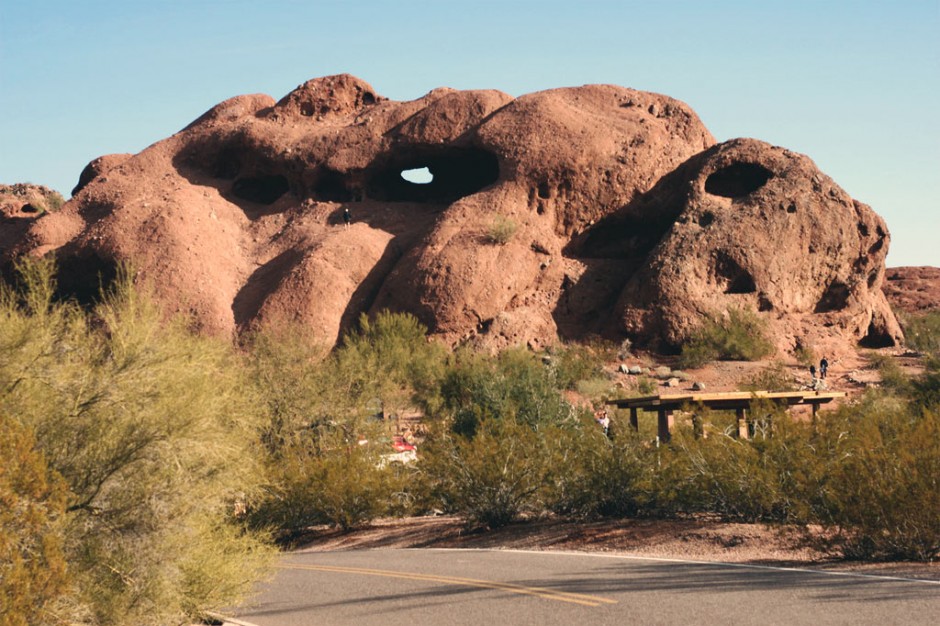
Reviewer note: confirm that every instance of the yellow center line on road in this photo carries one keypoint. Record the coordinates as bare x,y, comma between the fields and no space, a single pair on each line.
540,592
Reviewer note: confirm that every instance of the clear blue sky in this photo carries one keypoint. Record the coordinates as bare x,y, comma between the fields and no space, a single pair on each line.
853,84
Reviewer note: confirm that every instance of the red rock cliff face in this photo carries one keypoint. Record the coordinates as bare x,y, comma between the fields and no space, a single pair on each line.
623,218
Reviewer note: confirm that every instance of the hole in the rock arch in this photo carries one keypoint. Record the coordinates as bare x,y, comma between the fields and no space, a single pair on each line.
261,189
83,277
456,172
418,176
834,298
735,278
737,179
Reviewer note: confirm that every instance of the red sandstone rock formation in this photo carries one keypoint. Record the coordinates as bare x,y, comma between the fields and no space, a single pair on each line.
913,289
619,214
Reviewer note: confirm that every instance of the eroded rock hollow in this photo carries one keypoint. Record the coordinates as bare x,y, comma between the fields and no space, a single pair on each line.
563,213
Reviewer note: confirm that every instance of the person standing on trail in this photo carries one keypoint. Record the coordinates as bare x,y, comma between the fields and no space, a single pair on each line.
812,372
823,367
347,217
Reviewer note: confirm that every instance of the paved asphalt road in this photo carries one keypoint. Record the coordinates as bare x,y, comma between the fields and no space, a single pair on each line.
453,587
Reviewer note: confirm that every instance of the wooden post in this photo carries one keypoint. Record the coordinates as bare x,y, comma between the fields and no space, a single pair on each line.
634,422
665,421
741,414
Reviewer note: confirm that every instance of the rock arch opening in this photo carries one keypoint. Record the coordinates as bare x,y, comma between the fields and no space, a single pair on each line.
418,176
454,173
737,180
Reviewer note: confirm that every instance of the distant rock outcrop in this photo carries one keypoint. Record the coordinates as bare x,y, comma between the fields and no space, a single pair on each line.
913,289
576,211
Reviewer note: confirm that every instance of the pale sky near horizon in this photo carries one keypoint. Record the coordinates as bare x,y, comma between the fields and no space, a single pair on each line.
854,85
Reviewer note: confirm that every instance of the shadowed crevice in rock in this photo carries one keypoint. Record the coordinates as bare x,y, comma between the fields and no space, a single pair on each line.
364,297
730,276
264,189
83,276
834,298
737,180
262,282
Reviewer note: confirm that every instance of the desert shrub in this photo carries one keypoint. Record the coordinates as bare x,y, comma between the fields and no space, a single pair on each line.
774,377
320,407
152,432
883,486
804,355
922,332
389,358
925,389
33,572
494,476
604,477
284,364
763,478
515,385
501,230
574,363
343,486
738,335
892,376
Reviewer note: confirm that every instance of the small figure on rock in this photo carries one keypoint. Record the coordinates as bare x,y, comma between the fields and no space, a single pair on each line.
347,217
823,367
812,372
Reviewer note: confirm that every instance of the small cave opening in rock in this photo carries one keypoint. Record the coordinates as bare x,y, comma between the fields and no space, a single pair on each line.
83,277
737,180
264,189
732,276
876,337
454,173
834,298
331,186
28,208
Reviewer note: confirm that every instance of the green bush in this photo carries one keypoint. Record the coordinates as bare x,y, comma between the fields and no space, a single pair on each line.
491,478
882,492
501,230
343,487
922,332
739,334
514,385
152,431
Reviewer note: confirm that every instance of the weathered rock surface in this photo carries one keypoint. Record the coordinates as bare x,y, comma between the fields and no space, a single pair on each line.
21,205
617,212
913,289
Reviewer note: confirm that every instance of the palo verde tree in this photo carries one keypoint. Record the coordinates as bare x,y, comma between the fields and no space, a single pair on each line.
149,427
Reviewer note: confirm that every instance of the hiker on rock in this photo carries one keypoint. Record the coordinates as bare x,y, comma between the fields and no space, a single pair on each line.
823,367
347,217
